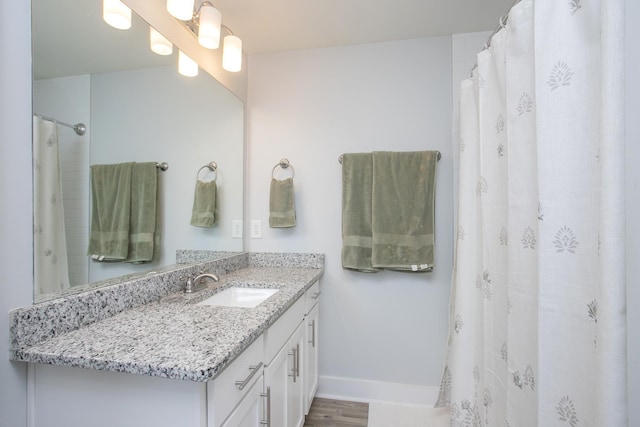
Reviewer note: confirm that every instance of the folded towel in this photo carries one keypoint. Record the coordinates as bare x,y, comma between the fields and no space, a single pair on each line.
142,225
403,210
110,216
357,181
282,210
205,209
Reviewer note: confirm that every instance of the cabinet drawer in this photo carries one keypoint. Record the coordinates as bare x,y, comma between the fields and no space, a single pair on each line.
278,333
223,394
311,297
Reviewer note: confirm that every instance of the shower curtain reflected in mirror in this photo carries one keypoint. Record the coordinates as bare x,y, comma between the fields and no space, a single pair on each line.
537,324
49,240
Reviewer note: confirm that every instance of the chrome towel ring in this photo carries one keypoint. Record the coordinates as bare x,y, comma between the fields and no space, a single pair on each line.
212,166
284,164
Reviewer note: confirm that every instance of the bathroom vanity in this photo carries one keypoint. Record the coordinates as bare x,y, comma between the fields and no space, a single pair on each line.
174,360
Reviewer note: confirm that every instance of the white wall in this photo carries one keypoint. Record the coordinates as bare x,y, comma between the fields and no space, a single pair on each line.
633,206
310,106
15,195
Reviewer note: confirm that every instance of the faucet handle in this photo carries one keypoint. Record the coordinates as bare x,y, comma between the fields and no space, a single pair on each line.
188,286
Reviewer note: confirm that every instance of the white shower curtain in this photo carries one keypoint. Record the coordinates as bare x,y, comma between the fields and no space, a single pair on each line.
49,241
538,328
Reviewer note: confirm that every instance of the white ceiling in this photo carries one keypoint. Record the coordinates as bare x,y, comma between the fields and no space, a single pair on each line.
277,25
70,37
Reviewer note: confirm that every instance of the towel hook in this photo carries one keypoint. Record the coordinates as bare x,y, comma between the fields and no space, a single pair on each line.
212,166
284,164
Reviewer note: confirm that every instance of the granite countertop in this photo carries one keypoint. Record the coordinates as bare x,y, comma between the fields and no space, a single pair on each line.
174,337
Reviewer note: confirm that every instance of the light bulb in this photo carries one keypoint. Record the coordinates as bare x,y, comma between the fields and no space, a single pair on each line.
116,14
159,43
181,9
187,66
232,54
209,26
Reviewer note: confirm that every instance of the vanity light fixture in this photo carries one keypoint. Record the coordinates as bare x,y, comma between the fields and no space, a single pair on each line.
209,22
187,66
116,14
232,52
205,23
159,43
181,9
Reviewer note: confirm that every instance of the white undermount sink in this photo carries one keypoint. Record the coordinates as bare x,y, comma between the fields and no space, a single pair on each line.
239,297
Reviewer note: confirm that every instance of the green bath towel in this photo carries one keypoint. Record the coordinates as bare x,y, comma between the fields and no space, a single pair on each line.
357,181
205,209
403,210
110,214
142,225
282,210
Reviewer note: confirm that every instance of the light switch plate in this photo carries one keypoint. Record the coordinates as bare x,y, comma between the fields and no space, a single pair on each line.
256,229
236,230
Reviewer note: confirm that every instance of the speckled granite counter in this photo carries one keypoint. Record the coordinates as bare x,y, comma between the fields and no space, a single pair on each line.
173,337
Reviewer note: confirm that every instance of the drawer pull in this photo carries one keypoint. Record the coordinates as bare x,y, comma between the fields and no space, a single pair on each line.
316,295
254,370
267,422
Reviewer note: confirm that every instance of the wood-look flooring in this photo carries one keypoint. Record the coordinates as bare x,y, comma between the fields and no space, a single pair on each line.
337,413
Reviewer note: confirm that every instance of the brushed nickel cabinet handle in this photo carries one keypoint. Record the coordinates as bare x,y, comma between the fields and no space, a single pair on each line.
293,370
297,360
295,353
267,422
313,333
254,370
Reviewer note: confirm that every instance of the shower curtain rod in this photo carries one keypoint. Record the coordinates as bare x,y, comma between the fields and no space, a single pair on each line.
502,22
78,128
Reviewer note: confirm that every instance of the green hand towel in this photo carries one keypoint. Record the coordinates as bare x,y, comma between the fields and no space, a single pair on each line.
282,210
110,215
142,226
357,180
403,210
204,213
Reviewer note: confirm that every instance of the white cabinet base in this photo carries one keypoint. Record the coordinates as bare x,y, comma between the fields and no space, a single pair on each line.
67,397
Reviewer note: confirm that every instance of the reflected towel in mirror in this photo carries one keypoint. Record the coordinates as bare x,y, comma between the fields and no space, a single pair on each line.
205,209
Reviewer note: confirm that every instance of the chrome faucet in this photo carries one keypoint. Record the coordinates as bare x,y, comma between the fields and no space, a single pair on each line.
192,284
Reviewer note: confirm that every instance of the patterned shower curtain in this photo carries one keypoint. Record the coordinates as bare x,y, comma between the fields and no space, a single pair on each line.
50,267
537,325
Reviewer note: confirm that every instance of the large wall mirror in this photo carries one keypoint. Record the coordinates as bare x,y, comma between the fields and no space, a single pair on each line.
136,108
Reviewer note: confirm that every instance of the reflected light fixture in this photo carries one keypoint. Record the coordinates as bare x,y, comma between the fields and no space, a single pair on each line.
116,14
232,53
187,66
159,43
209,22
181,9
206,24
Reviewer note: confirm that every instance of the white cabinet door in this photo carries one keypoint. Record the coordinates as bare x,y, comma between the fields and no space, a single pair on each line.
250,412
283,378
295,386
276,377
310,373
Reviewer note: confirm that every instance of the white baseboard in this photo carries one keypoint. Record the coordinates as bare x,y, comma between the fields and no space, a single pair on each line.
356,390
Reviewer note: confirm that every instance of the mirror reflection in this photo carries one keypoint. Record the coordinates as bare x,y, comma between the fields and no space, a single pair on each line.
136,108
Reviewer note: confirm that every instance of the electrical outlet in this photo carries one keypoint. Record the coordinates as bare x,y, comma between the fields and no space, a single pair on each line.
236,229
256,229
